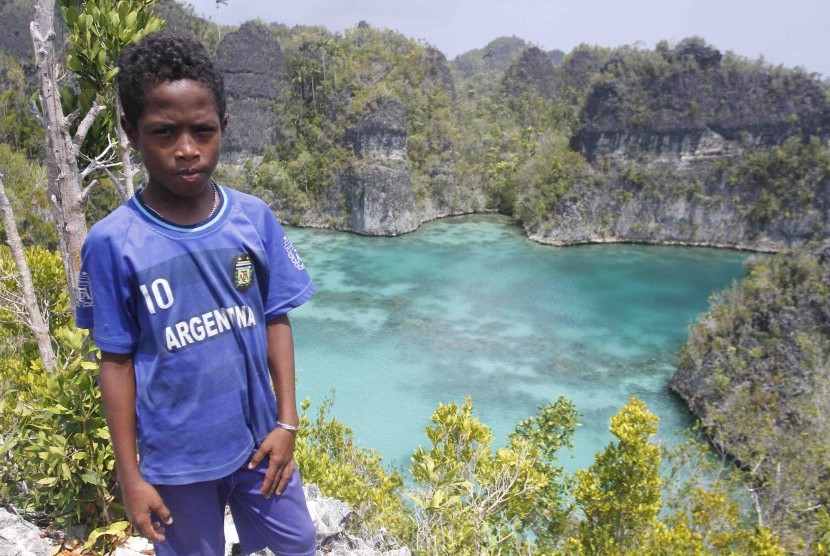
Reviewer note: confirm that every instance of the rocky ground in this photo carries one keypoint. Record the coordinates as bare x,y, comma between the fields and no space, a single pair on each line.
20,538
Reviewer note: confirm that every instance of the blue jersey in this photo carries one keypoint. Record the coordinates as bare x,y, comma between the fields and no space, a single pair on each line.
191,304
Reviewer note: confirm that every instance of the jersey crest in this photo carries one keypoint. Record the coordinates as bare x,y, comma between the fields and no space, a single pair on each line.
243,272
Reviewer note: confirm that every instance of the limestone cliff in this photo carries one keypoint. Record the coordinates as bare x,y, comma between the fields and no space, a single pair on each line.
687,148
532,71
755,371
673,115
253,66
378,187
700,203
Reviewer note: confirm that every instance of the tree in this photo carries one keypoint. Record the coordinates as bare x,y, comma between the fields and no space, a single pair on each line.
620,494
33,318
25,182
550,430
62,148
98,32
472,500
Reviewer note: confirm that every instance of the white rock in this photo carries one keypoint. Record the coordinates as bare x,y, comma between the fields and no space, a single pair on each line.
20,538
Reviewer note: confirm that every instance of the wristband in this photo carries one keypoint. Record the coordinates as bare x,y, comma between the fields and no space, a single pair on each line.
293,428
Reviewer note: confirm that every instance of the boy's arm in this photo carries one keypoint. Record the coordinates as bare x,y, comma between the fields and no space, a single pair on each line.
117,381
279,444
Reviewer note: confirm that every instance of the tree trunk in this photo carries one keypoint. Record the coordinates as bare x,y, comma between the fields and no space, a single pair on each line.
36,323
64,190
128,170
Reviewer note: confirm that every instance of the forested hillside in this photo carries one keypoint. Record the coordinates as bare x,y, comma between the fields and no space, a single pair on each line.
374,132
755,371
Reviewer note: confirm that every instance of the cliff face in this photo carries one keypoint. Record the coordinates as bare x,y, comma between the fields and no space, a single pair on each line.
533,70
670,115
686,148
378,187
698,205
755,372
253,66
357,126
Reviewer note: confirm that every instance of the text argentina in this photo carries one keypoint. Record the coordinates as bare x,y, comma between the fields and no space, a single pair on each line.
207,325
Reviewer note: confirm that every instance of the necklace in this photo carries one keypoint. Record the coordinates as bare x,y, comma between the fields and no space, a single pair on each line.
160,215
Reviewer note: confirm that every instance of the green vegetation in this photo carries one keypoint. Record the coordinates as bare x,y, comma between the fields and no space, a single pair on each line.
335,82
755,371
467,495
498,130
25,182
18,127
785,179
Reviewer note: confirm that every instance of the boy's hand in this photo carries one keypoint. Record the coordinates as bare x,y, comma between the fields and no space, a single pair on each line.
279,447
141,500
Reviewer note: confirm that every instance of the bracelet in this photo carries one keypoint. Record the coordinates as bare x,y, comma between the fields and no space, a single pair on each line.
293,428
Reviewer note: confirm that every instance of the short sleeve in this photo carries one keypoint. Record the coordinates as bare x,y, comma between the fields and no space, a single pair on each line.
289,284
104,299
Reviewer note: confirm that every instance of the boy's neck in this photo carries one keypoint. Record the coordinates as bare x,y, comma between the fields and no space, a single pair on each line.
184,211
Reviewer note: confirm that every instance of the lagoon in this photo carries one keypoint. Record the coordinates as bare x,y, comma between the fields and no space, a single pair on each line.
468,306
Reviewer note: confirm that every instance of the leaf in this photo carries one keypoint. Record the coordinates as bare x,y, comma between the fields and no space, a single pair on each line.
110,75
117,530
90,477
123,9
74,64
70,16
47,481
131,19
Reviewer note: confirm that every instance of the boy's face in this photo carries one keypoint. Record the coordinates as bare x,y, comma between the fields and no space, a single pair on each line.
179,135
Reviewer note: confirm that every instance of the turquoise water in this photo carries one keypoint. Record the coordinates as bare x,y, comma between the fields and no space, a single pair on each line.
469,306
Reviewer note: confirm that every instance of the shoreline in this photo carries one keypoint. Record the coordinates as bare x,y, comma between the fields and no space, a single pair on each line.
551,242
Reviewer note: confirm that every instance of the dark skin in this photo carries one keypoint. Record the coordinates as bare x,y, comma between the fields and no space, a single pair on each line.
179,135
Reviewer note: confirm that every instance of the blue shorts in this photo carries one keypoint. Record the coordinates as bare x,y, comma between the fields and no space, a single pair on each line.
281,523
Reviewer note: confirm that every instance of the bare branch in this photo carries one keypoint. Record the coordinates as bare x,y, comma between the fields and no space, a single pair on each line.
86,123
35,112
86,191
72,117
35,321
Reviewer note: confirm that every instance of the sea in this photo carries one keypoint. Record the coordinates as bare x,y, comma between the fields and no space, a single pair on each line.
468,306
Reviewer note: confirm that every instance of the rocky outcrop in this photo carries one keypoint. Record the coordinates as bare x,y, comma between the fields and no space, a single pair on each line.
533,71
685,148
693,206
253,66
16,39
330,516
439,71
378,187
495,57
632,112
755,371
20,538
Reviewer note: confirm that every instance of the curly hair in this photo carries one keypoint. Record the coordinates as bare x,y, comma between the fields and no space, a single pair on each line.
159,58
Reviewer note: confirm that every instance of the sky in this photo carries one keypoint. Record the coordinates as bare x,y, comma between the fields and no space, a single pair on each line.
787,32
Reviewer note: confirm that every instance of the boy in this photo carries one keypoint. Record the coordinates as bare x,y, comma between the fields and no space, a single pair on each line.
186,287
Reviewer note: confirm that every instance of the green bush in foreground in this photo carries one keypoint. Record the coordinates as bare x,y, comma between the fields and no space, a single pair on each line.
466,497
58,462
